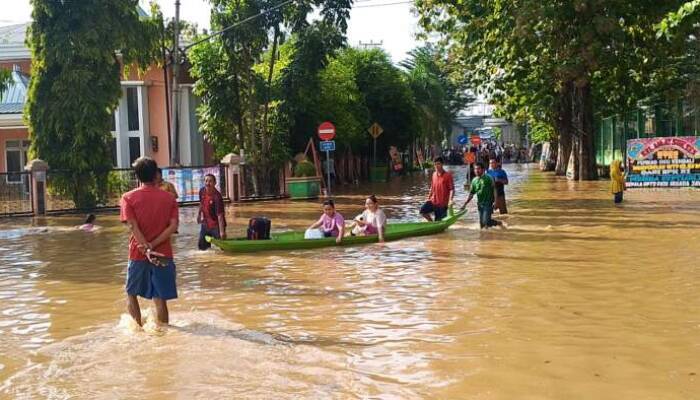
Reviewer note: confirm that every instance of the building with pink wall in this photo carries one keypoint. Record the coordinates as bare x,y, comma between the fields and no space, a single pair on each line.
140,125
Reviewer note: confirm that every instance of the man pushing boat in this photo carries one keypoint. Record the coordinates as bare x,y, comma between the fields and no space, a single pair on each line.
442,191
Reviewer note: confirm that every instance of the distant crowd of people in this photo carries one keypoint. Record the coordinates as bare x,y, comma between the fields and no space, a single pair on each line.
486,151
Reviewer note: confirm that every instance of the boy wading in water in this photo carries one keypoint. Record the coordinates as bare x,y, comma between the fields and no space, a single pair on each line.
152,217
483,187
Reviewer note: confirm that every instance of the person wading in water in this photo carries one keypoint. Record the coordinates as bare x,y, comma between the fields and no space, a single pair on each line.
483,187
500,179
211,213
152,217
442,190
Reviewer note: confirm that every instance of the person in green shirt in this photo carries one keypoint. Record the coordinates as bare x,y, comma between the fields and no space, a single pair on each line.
483,187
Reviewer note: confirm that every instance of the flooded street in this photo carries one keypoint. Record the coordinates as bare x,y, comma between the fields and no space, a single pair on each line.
576,299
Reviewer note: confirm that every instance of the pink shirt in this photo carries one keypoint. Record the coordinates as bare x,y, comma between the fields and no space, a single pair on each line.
332,224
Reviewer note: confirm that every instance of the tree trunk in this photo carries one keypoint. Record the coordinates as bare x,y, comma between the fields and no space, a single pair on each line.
572,165
563,123
265,134
553,154
255,154
587,164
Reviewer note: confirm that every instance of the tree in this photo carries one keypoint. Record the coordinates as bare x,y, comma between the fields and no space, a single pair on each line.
341,101
78,51
387,96
439,93
249,101
556,62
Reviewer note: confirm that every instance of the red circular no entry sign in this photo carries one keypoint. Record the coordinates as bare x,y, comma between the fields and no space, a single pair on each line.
326,131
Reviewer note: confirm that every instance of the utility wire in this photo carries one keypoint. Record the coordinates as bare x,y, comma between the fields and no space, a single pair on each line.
384,4
241,22
284,3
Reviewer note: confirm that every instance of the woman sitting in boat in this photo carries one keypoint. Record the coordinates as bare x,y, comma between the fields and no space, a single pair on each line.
331,223
372,221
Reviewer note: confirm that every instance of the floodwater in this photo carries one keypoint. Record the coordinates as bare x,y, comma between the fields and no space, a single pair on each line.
575,299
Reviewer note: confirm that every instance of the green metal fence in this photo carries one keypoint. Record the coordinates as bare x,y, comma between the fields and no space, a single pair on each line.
674,118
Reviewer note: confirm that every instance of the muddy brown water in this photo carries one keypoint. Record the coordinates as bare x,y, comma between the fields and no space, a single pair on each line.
576,299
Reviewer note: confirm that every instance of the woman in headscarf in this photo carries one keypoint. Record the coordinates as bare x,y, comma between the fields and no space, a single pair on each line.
617,178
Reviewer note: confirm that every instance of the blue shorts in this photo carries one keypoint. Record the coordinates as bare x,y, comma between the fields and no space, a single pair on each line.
147,280
428,207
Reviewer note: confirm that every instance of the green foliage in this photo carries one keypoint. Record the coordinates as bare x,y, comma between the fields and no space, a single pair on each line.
387,97
258,89
118,182
304,169
342,102
686,16
497,133
541,132
5,77
78,49
439,93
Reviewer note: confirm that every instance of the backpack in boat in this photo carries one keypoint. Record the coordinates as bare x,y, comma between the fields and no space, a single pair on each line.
259,228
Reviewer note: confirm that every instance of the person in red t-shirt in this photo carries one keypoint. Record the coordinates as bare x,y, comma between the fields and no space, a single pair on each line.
211,213
152,217
442,191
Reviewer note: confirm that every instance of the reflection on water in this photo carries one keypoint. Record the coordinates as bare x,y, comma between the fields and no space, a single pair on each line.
577,298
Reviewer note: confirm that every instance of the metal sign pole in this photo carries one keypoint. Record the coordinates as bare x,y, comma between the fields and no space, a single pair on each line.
374,163
328,171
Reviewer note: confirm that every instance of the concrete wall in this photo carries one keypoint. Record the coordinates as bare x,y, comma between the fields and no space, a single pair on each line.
157,116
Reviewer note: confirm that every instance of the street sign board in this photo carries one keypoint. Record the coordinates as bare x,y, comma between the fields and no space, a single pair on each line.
375,130
469,157
462,139
476,140
328,145
326,131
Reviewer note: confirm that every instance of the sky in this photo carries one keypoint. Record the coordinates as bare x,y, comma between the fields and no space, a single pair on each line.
389,22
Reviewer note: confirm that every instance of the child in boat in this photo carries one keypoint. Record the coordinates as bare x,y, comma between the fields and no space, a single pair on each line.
372,221
89,225
331,223
617,178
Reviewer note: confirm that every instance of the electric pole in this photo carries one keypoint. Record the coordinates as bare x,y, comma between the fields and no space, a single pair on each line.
175,103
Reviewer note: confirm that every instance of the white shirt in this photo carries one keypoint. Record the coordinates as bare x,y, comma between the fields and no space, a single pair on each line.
376,219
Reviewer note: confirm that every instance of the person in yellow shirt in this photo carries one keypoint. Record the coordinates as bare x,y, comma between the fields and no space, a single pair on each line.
165,185
617,178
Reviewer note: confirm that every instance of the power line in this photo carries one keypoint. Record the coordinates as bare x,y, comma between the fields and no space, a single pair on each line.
384,4
228,28
284,3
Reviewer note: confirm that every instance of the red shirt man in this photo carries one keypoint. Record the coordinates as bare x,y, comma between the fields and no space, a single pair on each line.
152,217
442,191
211,213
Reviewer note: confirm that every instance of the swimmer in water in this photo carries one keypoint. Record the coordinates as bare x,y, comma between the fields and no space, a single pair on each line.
89,225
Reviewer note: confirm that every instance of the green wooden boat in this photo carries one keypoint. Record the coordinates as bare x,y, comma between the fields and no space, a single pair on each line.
294,240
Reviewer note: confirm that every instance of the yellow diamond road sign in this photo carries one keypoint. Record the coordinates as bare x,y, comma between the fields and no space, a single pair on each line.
375,130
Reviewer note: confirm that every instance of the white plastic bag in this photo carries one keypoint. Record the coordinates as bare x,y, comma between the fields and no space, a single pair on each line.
313,234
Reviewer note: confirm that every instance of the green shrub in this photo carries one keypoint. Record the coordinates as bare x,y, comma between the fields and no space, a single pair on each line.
304,169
